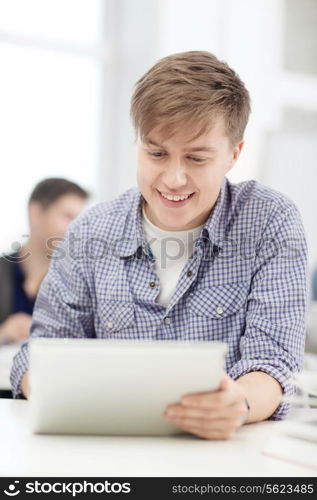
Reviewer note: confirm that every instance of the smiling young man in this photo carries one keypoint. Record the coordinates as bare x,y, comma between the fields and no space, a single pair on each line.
189,255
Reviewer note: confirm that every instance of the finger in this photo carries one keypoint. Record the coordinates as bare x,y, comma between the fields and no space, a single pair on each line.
180,411
222,395
210,399
218,425
224,383
211,434
227,412
222,386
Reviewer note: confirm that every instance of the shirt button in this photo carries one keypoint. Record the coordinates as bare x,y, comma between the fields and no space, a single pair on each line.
189,274
152,284
110,325
167,320
219,310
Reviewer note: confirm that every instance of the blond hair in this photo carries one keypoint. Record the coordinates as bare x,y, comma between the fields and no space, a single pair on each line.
190,89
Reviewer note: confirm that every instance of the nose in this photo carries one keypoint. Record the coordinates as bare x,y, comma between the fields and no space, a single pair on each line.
175,175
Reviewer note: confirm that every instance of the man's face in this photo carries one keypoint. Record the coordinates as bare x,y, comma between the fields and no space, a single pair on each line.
188,172
52,222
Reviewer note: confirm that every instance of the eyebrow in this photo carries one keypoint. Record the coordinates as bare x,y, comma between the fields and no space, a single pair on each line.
188,150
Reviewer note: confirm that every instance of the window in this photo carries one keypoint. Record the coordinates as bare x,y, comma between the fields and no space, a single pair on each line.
51,65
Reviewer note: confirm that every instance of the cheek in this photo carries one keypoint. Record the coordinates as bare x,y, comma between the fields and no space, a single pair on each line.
209,183
139,176
57,227
146,174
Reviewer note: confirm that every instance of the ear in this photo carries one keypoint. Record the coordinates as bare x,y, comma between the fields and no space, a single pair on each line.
235,154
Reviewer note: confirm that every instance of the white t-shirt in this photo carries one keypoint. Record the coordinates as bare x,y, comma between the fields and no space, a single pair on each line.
171,250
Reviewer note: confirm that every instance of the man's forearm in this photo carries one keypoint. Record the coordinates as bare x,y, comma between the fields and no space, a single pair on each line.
25,385
263,393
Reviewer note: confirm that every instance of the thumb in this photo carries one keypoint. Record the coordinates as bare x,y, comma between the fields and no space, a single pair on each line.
224,383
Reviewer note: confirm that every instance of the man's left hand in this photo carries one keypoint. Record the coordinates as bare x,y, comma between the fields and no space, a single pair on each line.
211,415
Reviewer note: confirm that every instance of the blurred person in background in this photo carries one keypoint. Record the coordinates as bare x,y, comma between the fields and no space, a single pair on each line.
53,204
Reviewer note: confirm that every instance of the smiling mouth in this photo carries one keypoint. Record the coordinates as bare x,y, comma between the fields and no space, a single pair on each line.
175,198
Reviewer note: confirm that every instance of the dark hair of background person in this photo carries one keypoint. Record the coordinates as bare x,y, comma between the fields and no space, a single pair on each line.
49,190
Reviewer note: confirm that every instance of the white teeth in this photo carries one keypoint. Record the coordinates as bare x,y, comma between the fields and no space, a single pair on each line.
170,197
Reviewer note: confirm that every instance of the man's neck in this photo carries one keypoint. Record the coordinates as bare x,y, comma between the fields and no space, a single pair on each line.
36,261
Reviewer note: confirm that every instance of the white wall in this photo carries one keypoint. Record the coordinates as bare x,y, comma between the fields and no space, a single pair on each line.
132,30
237,32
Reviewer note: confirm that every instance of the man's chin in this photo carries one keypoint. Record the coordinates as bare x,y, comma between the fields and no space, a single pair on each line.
175,225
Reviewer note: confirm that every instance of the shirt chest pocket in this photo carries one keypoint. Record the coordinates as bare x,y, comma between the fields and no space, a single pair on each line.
117,318
218,302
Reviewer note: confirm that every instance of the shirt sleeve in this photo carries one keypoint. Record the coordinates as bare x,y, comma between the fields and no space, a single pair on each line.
274,337
63,305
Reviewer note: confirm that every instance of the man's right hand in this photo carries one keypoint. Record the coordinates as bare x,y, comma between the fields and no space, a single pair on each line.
16,327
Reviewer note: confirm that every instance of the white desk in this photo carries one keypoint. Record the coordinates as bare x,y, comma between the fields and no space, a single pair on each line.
25,454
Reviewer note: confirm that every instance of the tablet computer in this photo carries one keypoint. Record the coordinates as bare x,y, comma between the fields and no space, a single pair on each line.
92,386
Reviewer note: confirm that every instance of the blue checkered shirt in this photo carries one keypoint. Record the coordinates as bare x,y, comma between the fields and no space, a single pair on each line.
245,283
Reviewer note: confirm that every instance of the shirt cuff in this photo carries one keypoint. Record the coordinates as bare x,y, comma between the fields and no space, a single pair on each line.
283,376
